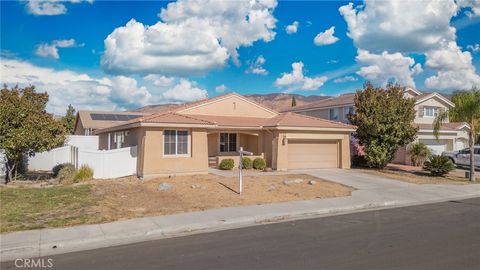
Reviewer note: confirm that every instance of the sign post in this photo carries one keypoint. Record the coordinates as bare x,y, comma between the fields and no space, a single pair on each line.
240,167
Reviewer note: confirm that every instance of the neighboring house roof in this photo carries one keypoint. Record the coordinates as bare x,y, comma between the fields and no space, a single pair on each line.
177,117
342,100
90,119
452,126
348,99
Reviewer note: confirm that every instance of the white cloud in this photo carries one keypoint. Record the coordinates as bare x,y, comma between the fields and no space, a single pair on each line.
407,27
50,7
326,37
296,80
159,80
345,79
192,37
292,28
256,67
96,93
51,50
385,67
474,48
454,68
185,91
473,5
221,88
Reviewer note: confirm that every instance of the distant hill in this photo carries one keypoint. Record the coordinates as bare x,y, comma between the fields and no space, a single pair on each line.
282,101
275,101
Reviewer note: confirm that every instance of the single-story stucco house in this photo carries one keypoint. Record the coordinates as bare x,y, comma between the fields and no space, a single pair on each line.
189,138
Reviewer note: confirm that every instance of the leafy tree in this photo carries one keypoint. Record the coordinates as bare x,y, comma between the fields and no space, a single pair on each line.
384,120
25,126
294,101
467,109
68,120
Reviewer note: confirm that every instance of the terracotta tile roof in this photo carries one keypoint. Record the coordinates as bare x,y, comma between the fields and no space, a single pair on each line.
342,100
446,126
233,121
174,118
290,119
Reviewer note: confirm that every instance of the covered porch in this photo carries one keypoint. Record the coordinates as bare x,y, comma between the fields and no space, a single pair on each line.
225,144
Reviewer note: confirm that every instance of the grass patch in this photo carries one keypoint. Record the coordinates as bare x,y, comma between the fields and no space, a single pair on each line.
33,208
417,177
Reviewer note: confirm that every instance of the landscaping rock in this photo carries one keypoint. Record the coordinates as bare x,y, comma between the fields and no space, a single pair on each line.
271,188
312,182
290,182
164,186
197,186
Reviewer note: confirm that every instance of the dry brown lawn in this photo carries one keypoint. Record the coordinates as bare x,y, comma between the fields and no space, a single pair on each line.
31,205
417,177
134,198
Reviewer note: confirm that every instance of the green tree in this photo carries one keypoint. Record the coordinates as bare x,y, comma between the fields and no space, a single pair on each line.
384,120
69,119
467,109
419,152
25,126
294,101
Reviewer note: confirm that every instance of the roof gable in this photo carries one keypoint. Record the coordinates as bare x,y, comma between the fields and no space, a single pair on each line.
434,96
230,104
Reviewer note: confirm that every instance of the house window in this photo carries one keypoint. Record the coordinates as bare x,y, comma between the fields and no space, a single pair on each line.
348,110
334,114
228,142
430,111
175,142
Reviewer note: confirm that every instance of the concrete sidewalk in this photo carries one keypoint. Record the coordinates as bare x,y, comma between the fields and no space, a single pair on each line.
374,192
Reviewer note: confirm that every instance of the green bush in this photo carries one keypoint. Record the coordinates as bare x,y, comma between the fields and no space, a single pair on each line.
56,169
66,174
83,174
259,164
379,154
246,163
419,152
438,165
227,164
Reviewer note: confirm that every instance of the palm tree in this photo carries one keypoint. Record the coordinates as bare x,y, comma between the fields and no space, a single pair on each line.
467,109
419,152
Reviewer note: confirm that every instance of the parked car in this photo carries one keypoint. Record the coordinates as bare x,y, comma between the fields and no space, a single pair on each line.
462,157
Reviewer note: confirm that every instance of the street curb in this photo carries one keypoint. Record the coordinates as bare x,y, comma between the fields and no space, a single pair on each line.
160,231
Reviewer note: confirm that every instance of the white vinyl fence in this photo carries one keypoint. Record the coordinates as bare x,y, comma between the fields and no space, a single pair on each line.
82,142
105,163
109,164
45,161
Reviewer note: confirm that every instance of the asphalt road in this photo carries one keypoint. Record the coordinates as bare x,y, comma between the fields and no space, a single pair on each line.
436,236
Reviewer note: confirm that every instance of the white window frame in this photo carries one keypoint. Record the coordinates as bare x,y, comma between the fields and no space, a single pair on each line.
176,143
330,114
237,137
435,111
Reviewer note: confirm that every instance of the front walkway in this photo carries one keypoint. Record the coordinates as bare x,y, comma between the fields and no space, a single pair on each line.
373,192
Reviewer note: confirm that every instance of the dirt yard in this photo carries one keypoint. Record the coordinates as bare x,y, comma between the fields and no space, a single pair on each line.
31,205
134,198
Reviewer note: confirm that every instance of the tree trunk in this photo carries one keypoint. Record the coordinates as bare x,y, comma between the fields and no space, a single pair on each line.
471,143
11,167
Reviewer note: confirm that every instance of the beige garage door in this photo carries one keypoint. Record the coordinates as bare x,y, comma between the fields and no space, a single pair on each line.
312,154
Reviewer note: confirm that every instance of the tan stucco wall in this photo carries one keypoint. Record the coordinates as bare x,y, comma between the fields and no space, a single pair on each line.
325,113
280,149
154,163
230,106
432,102
132,139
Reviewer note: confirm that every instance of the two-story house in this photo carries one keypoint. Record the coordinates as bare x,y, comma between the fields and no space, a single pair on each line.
453,136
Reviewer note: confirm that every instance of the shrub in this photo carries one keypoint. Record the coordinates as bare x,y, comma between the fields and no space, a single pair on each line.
66,174
359,161
419,152
438,165
246,163
83,174
56,169
259,164
227,164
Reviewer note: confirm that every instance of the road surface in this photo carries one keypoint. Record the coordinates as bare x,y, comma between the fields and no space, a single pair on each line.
436,236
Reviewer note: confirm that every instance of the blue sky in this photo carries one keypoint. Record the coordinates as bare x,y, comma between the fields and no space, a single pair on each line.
192,48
